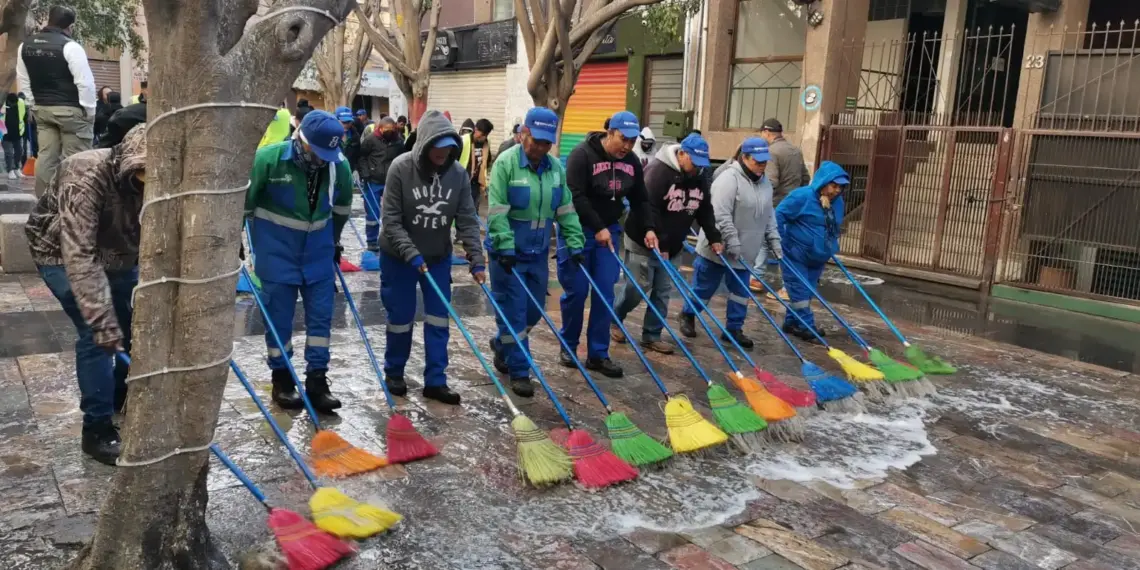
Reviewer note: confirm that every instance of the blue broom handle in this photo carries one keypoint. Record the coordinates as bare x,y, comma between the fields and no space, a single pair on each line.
471,342
373,206
562,341
249,238
529,360
284,353
875,306
703,312
756,302
685,292
359,238
633,345
680,343
364,337
788,309
245,480
273,424
811,288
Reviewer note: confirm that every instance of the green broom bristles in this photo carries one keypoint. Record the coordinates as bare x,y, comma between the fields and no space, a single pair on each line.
906,381
631,444
736,419
926,363
541,461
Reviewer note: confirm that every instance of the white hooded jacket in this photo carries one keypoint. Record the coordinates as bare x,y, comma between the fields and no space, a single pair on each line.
645,155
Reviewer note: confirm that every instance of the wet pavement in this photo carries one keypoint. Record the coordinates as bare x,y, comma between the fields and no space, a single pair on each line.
1023,460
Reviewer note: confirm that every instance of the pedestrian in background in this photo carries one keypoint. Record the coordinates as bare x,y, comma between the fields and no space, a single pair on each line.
349,140
646,143
516,134
121,122
377,151
13,138
786,171
476,155
140,97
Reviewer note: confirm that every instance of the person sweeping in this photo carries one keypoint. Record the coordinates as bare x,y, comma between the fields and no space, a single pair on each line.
377,152
809,220
425,191
742,205
527,193
299,199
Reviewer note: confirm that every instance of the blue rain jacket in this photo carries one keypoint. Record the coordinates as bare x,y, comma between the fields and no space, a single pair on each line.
810,233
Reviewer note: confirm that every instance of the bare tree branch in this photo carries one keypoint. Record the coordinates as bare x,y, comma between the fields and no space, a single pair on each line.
538,17
526,29
590,46
433,28
596,19
561,25
542,61
391,54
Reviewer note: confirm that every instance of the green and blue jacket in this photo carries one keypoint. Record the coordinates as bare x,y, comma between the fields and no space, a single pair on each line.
524,198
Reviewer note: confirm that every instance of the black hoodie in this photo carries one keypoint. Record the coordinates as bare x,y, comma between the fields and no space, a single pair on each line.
676,199
12,117
599,184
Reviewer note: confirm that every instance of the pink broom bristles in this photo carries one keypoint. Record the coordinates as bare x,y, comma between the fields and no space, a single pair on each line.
594,465
803,400
405,444
305,546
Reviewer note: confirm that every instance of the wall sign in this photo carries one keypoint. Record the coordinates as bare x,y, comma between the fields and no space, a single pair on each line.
811,98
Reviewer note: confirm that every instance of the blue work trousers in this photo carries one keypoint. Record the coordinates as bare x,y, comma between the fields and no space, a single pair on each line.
604,268
518,308
799,295
372,193
707,277
398,281
280,303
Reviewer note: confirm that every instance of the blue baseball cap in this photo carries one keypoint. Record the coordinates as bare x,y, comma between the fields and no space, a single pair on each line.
842,180
445,141
697,149
361,112
543,124
757,148
344,114
626,122
323,133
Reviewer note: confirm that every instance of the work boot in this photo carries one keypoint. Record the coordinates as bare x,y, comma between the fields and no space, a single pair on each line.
441,394
285,391
616,335
500,364
565,360
800,333
658,346
372,246
605,366
396,385
744,342
688,325
101,442
521,385
317,389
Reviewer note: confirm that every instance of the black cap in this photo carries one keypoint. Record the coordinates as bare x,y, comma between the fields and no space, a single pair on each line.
772,125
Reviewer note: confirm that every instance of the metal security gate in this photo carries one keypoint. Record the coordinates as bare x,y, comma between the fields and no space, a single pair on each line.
472,95
664,80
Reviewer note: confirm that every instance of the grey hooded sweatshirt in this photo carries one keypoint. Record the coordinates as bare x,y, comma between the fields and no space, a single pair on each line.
421,201
744,216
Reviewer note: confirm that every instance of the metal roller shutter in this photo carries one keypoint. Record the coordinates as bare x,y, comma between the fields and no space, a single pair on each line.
664,80
106,73
472,95
598,94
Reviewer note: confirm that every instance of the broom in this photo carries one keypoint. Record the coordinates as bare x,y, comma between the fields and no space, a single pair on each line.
626,440
305,546
333,456
253,280
834,394
346,265
918,357
333,511
540,460
405,444
594,466
688,430
900,378
783,422
736,419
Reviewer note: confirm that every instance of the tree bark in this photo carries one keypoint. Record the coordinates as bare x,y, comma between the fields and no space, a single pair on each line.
201,51
409,64
13,25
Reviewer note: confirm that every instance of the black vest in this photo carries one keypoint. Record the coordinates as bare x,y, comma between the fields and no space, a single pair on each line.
51,79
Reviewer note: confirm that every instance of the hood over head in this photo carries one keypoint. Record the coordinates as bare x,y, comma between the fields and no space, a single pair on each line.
434,126
668,155
647,134
131,153
829,172
467,126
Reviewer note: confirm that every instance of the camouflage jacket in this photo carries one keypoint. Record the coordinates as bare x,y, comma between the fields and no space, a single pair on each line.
88,222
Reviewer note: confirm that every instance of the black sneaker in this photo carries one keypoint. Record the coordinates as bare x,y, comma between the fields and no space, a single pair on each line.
744,342
688,325
522,386
441,394
285,391
605,366
102,443
396,385
500,364
317,389
565,360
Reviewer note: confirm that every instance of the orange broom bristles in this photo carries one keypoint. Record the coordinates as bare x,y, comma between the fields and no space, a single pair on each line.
334,457
405,444
305,546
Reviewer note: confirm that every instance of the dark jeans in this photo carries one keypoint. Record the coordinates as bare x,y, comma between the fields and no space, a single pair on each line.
13,155
102,377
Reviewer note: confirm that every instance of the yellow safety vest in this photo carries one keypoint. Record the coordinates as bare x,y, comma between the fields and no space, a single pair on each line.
465,156
278,129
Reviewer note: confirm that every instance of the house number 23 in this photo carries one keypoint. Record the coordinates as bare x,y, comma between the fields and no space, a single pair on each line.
1034,61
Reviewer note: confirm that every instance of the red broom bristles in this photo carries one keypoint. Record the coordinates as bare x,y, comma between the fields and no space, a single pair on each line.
797,398
305,546
405,444
348,267
594,465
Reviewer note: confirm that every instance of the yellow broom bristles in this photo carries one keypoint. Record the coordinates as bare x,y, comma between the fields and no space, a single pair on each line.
340,515
541,461
855,370
334,457
688,430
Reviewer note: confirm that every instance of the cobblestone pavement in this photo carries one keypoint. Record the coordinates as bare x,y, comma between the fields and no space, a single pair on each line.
1022,461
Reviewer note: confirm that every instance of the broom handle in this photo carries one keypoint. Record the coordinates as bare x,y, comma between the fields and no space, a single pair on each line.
700,310
756,302
364,337
245,480
788,309
529,360
633,345
372,208
284,353
273,424
471,342
249,238
660,317
565,345
811,288
875,306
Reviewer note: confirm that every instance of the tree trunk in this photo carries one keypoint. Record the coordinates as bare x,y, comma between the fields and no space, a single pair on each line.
417,104
13,25
154,515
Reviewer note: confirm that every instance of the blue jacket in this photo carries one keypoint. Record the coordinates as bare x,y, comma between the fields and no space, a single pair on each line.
810,233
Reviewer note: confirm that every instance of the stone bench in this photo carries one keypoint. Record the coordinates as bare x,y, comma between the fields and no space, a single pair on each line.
16,203
15,257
